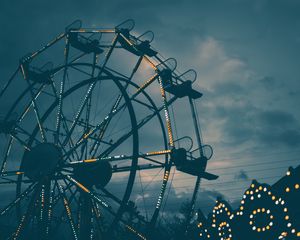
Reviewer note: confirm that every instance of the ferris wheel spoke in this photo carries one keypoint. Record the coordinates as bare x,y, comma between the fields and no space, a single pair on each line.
58,196
20,141
146,84
96,145
72,193
11,173
69,200
18,199
82,71
45,207
25,219
71,143
9,81
115,111
62,66
118,201
160,196
35,97
65,125
87,191
50,212
167,115
48,45
92,195
68,211
8,149
11,181
82,139
139,125
122,157
89,91
21,130
109,209
79,112
7,182
103,129
192,203
88,109
97,214
110,195
94,129
62,90
144,104
37,112
69,157
139,167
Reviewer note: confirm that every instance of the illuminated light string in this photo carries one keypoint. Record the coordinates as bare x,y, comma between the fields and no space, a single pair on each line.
163,189
263,193
92,229
82,187
49,212
131,229
169,128
295,186
120,157
3,167
203,231
24,194
19,228
42,196
289,189
144,85
68,211
221,220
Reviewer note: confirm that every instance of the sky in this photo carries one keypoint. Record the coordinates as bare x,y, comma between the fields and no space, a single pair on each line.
246,54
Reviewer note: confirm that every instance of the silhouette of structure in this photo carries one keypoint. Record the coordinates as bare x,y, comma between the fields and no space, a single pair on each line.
265,212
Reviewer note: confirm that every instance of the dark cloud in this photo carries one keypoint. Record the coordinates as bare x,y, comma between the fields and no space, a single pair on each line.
290,138
278,127
277,118
268,82
241,175
269,128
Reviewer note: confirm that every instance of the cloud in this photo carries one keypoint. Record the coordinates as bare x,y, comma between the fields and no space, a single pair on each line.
241,175
277,118
241,107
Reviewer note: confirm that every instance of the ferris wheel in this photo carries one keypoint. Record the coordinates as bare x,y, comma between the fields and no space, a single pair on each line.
87,124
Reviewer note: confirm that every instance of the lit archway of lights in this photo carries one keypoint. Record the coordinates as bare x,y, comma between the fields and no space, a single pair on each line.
264,213
222,220
293,188
203,230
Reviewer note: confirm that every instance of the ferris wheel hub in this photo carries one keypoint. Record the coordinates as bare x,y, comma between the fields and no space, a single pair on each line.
97,174
41,161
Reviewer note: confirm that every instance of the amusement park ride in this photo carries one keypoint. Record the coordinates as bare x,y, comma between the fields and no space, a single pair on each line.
74,131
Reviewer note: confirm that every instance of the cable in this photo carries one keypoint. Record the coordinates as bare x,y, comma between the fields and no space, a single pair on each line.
240,166
170,186
143,195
